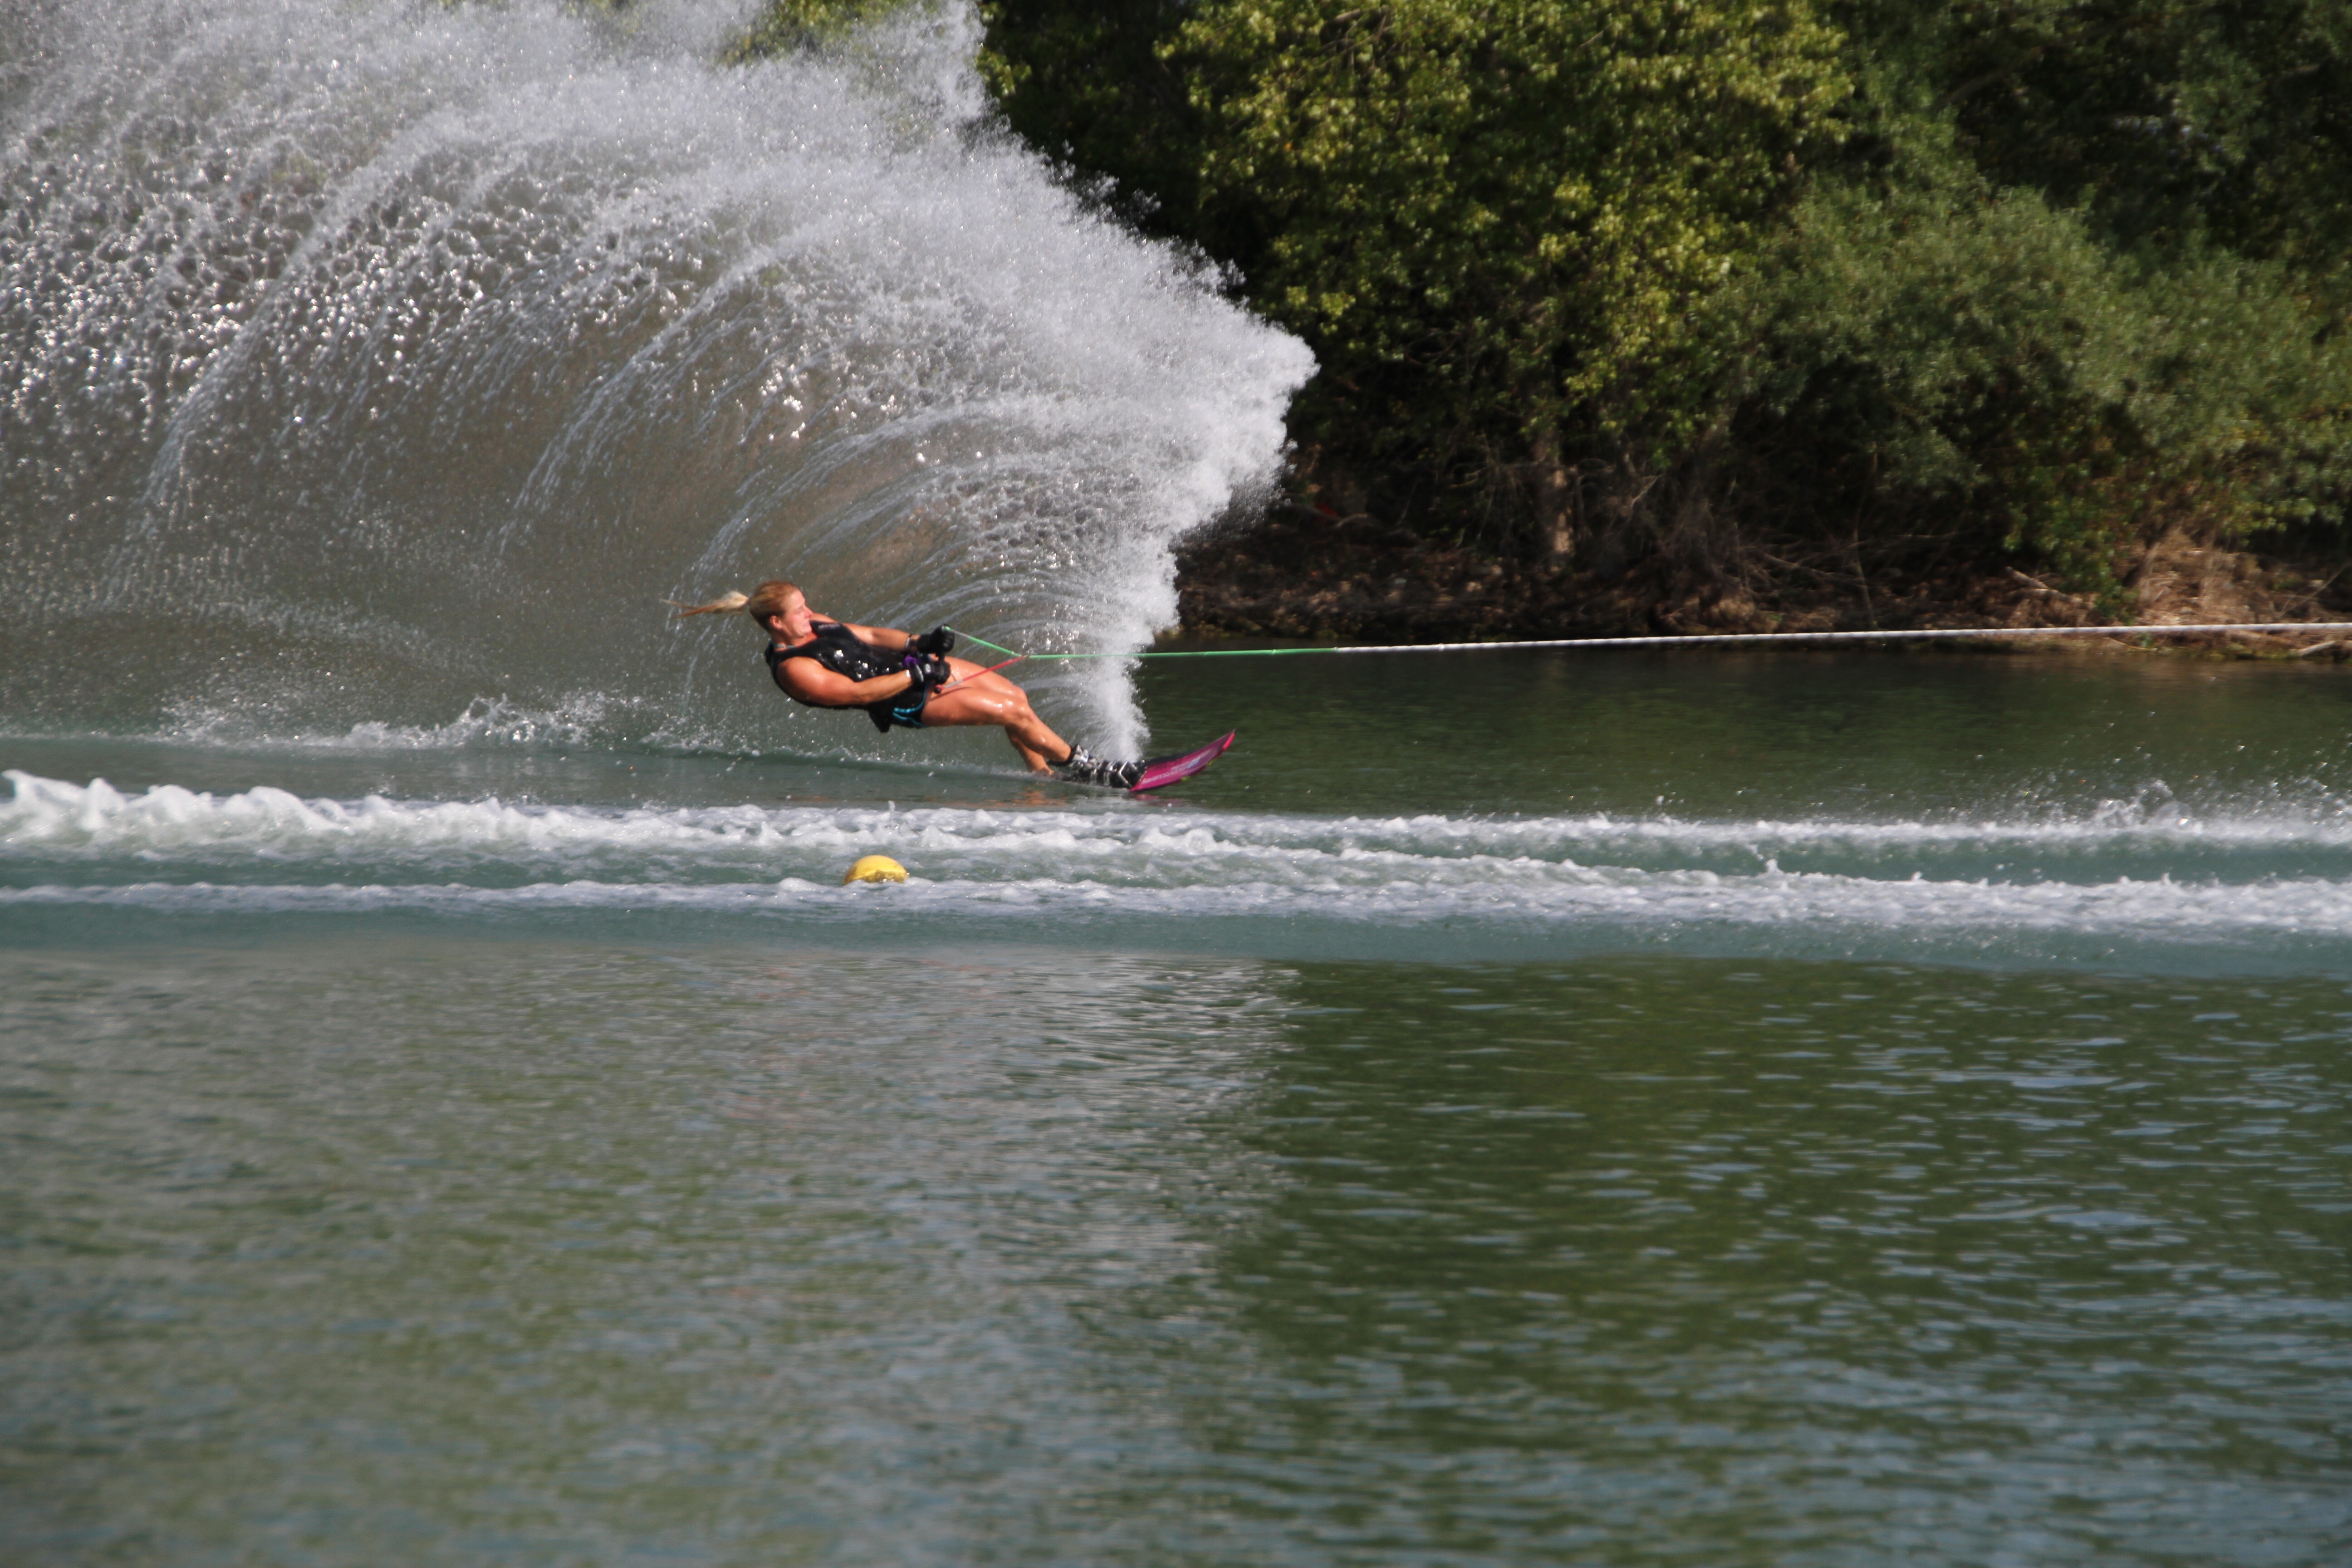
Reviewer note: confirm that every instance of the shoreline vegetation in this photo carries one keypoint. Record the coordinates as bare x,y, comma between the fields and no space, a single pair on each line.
1716,315
1297,574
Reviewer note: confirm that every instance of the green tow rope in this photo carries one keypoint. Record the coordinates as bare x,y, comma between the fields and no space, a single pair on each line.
1703,639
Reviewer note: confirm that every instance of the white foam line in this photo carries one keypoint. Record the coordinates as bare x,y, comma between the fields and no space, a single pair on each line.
1794,906
49,820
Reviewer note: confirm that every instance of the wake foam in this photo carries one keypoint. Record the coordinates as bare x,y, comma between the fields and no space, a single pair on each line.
1586,878
51,813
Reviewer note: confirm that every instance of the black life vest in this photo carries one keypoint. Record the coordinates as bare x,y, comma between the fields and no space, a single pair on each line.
837,649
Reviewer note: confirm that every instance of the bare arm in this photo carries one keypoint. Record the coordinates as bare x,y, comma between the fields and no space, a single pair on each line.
812,682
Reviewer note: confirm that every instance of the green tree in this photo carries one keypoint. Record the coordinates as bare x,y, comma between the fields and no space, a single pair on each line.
1496,219
2075,277
1090,86
2166,121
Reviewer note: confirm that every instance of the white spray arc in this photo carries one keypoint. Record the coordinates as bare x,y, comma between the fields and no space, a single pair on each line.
361,362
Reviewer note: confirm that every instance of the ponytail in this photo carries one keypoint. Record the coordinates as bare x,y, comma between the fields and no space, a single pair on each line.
719,606
767,599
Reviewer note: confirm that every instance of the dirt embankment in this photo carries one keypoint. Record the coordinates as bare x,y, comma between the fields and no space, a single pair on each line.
1305,573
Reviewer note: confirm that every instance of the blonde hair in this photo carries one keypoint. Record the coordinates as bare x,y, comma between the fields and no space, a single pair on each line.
767,599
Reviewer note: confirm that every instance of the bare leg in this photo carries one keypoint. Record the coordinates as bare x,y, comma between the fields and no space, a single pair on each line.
985,699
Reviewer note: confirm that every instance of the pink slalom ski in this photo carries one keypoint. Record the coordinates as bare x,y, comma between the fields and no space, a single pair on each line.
1168,770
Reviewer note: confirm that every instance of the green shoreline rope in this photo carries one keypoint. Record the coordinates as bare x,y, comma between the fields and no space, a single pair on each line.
1700,639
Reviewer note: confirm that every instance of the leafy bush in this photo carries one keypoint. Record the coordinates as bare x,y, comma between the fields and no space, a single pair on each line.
2010,311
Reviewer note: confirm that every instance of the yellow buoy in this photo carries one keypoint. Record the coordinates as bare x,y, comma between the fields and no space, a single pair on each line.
874,869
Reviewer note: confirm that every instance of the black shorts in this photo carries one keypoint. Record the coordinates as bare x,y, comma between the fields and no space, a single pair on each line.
905,711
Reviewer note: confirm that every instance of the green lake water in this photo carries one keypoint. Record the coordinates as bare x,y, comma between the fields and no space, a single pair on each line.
1579,1108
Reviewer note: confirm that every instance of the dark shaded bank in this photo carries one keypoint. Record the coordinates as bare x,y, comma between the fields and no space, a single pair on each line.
1299,571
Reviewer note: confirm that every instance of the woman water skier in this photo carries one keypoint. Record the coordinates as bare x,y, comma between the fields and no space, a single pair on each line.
902,679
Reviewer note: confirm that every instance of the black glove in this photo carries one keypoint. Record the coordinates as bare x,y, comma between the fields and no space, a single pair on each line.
939,642
928,673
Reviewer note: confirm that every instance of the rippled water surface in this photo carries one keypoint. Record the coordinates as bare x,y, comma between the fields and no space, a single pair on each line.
1548,1110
